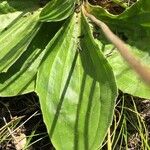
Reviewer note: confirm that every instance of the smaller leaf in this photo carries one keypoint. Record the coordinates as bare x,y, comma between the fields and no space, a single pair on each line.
15,40
127,80
10,6
57,10
20,77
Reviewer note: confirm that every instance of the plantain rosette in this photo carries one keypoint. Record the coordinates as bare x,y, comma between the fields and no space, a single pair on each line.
51,50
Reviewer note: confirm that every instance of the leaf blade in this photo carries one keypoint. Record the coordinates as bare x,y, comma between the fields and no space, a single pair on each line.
70,97
13,45
57,10
20,77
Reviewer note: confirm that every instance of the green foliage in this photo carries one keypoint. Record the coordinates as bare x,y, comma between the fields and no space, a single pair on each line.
52,51
57,10
82,94
133,26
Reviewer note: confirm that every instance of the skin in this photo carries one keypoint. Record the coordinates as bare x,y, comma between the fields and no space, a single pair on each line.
142,70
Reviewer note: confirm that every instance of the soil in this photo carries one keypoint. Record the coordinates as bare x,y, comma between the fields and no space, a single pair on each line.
21,108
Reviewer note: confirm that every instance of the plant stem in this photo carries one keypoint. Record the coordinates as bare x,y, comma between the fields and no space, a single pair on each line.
109,145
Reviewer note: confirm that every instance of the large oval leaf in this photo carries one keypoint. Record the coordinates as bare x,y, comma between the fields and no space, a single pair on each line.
57,10
77,91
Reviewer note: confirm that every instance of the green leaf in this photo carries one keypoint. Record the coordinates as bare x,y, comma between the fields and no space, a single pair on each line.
20,77
133,26
57,10
10,6
7,20
5,8
127,80
16,39
21,73
12,10
77,90
140,8
97,67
